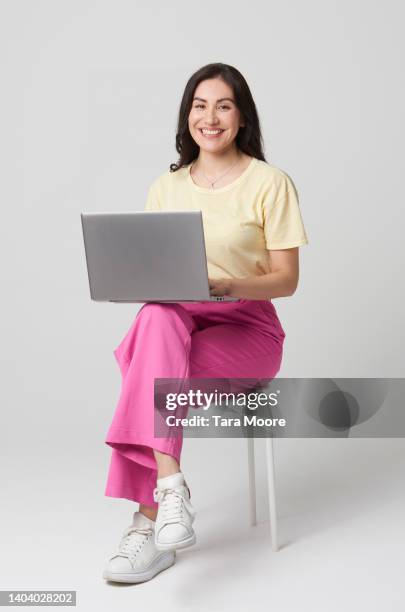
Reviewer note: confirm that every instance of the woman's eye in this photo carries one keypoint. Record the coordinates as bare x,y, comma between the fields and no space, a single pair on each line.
202,106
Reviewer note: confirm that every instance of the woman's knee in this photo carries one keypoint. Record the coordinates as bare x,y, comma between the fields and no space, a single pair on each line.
172,311
156,309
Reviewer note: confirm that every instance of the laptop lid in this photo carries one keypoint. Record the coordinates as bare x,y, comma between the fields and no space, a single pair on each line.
146,256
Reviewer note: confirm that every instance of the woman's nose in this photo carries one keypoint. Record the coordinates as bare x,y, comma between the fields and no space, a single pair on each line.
212,117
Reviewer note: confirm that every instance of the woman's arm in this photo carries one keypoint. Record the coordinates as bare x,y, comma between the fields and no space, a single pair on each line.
282,281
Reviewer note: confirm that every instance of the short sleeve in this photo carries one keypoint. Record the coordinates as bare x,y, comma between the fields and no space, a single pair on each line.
282,221
152,200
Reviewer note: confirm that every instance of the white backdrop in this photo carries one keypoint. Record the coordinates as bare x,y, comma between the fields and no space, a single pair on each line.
89,95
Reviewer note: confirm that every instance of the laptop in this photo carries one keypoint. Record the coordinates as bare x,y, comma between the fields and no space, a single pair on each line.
154,256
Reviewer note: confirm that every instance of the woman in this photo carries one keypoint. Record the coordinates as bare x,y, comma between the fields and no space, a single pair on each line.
253,228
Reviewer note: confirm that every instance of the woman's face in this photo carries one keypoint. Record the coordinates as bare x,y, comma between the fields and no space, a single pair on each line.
214,108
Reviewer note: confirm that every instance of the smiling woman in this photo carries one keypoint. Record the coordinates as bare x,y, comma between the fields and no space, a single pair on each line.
252,228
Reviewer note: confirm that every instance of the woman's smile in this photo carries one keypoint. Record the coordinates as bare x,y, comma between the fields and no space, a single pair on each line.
211,133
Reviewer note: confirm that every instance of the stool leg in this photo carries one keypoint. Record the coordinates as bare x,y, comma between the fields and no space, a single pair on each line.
272,492
252,480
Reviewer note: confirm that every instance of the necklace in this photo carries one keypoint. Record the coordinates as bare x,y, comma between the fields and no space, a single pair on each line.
212,183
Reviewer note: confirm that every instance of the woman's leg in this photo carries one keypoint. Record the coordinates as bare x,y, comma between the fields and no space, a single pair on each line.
179,341
246,343
156,346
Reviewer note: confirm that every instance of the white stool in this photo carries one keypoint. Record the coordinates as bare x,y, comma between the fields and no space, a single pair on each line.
270,484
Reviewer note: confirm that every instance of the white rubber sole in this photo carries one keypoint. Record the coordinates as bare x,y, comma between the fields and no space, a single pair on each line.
189,541
159,564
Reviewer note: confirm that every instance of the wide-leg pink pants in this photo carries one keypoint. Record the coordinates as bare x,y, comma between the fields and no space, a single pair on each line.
179,340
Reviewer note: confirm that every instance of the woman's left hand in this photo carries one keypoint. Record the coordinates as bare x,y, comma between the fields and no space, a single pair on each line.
220,286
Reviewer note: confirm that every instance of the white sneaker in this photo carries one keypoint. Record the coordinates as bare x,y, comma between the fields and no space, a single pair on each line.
175,514
138,559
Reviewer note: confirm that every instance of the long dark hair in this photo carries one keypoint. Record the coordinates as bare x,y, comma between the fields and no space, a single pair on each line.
249,138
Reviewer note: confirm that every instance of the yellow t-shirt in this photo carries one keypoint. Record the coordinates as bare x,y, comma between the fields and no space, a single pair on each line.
257,212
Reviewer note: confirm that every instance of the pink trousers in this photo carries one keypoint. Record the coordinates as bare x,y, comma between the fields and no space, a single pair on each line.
181,340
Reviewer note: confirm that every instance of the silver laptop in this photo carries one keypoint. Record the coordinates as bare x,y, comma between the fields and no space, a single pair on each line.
156,256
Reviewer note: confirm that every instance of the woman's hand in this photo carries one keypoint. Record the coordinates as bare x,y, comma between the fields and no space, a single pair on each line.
220,286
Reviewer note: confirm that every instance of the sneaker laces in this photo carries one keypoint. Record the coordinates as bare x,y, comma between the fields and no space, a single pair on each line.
171,502
132,541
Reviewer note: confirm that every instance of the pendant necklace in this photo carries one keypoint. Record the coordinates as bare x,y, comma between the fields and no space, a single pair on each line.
212,183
